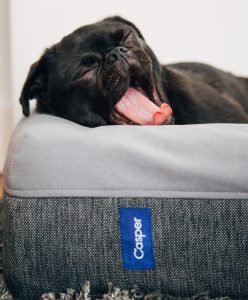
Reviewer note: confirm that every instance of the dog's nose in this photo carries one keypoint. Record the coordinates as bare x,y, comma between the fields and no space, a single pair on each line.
116,54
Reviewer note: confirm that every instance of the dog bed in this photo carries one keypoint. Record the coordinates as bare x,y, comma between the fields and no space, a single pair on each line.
164,207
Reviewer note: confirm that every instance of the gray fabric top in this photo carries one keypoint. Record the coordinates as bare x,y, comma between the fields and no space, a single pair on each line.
50,156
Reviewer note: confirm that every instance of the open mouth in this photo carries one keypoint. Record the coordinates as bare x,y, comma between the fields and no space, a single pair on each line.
135,108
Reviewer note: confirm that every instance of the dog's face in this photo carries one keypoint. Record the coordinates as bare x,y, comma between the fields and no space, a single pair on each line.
84,77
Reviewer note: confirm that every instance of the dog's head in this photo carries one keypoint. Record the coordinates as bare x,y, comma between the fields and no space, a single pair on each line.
92,76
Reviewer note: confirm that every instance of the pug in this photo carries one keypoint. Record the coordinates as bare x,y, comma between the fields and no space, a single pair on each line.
106,74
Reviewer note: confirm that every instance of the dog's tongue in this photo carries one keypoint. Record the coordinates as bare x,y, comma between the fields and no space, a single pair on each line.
139,109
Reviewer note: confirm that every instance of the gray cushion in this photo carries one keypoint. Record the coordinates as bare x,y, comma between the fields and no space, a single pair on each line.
50,156
64,187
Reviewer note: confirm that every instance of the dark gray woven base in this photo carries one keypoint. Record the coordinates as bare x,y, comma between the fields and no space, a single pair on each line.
54,243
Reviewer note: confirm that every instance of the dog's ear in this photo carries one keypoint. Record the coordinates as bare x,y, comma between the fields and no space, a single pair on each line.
121,20
35,85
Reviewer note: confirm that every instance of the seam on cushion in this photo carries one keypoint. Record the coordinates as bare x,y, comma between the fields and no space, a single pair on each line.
120,189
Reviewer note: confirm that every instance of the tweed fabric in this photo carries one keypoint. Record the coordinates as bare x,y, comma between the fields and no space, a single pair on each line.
55,243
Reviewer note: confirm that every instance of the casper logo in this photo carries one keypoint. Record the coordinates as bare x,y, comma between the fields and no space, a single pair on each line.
136,238
138,250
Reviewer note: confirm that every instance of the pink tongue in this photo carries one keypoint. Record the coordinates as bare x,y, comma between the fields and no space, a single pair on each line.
139,109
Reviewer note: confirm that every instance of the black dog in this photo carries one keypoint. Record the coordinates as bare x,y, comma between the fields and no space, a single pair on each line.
105,73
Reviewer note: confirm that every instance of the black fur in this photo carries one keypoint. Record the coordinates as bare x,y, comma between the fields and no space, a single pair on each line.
75,79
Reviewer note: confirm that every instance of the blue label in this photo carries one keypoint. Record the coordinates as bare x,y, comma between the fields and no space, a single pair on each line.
136,238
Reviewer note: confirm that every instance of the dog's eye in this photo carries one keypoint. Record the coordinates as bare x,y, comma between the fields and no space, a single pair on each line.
87,64
89,61
127,36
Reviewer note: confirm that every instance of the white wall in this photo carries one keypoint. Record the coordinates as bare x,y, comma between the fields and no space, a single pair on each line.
5,89
211,31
